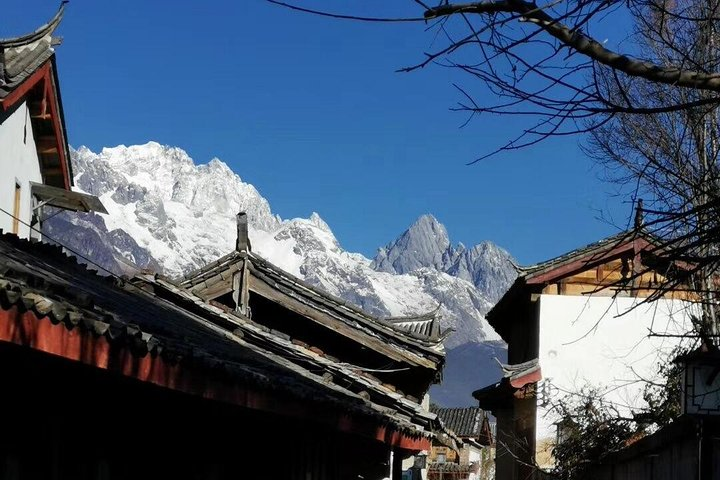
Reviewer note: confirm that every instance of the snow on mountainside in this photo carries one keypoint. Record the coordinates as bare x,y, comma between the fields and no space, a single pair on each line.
167,213
426,244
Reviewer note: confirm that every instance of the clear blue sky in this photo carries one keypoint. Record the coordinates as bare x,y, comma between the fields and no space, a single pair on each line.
311,111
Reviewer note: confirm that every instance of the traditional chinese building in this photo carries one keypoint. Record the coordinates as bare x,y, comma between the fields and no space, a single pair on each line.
34,158
147,378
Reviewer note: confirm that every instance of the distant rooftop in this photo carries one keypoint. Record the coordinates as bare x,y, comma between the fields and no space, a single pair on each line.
465,422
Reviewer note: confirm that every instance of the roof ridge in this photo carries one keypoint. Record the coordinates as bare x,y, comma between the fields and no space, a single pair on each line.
42,31
619,239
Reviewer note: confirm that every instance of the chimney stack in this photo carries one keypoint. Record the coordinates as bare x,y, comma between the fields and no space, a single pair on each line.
242,244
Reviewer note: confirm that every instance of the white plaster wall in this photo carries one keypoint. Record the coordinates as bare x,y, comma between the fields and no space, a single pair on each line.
474,455
585,341
18,163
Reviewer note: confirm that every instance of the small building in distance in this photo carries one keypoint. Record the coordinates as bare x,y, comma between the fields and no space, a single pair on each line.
473,459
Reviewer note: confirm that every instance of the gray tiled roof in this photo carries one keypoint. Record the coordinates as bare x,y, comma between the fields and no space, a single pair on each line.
423,331
427,325
20,57
465,422
598,246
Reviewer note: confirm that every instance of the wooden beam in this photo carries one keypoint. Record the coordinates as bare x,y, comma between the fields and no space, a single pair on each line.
245,289
240,289
51,172
53,99
213,287
46,144
27,85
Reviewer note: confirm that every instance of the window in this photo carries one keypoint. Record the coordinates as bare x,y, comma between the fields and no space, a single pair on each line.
16,210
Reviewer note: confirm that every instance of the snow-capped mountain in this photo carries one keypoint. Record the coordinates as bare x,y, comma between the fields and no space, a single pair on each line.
167,213
427,244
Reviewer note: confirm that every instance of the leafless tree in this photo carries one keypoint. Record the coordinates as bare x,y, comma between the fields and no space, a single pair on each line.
670,158
544,61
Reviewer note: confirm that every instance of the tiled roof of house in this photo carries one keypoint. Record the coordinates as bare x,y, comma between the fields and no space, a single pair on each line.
20,57
465,422
422,331
426,325
588,250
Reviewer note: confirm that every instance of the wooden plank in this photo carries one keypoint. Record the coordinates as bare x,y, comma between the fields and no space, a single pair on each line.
16,210
236,286
46,144
590,260
261,287
245,288
590,274
215,289
240,288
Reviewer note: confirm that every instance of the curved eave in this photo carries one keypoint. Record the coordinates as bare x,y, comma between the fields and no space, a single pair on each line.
38,34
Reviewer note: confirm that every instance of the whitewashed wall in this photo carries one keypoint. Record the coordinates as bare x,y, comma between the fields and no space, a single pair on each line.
475,455
18,163
584,340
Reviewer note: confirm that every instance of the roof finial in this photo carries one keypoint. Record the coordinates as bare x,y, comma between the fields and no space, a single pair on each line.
639,214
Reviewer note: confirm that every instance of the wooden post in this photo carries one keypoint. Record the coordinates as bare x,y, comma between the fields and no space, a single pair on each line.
241,292
240,286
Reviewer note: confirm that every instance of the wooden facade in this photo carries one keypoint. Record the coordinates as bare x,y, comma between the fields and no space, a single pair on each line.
64,420
469,461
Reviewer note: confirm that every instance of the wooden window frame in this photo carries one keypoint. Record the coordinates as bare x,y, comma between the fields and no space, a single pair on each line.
16,208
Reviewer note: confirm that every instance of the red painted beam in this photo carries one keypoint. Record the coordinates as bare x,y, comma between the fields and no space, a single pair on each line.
53,101
23,89
45,74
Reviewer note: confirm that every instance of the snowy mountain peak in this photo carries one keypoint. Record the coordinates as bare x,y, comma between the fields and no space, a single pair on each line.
319,222
426,244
